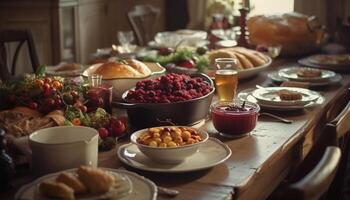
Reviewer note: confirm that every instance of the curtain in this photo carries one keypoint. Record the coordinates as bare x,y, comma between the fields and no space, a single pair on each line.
197,12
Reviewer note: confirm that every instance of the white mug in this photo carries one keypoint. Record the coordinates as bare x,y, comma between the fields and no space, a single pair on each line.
64,147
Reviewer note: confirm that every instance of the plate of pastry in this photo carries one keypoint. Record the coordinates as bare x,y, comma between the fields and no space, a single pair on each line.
87,183
338,62
246,95
287,96
306,74
249,62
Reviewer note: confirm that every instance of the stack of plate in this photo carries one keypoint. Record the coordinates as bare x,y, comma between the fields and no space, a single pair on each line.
269,98
291,74
338,62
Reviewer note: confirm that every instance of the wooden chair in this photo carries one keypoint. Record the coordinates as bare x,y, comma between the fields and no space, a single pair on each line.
316,183
143,20
340,126
19,36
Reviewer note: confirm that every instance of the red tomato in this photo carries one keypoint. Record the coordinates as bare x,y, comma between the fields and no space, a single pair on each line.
103,132
47,80
46,86
33,105
186,64
118,127
39,83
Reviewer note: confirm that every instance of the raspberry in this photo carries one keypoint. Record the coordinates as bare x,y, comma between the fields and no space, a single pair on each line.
169,88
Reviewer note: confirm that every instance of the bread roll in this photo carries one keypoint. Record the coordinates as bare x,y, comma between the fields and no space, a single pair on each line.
246,64
111,70
255,60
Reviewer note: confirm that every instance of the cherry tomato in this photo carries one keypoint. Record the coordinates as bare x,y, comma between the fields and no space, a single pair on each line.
33,105
76,122
118,127
103,132
39,83
74,94
46,86
58,102
57,85
186,64
47,80
50,102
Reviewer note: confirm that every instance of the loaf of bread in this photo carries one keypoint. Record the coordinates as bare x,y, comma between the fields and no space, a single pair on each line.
296,33
246,58
125,69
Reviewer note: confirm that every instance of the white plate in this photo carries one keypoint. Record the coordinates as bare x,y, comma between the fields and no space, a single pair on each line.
242,74
247,73
274,76
291,74
246,95
210,154
269,95
142,188
331,59
51,70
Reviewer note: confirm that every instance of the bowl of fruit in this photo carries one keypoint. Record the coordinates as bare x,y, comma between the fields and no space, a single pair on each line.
176,98
234,119
169,144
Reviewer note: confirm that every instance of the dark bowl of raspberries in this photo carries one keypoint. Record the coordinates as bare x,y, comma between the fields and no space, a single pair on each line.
179,99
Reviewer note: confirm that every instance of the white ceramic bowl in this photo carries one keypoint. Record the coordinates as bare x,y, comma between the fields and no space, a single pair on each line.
169,155
120,85
63,147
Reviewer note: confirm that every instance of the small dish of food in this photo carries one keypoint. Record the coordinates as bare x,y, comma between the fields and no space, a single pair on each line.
234,119
169,144
306,74
286,96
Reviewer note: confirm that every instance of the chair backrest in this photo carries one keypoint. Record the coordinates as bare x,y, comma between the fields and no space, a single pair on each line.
19,36
316,182
143,20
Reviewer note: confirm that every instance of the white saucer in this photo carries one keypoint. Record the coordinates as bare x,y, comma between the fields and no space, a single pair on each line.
246,95
270,96
291,73
142,188
277,78
210,154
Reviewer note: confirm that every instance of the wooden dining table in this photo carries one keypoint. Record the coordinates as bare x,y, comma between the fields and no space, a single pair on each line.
259,161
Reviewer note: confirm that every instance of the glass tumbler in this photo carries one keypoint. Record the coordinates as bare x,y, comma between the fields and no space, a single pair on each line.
226,78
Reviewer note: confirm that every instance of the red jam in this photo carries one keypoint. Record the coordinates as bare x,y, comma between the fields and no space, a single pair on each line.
231,119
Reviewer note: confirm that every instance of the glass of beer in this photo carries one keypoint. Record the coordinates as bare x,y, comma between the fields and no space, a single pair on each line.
226,78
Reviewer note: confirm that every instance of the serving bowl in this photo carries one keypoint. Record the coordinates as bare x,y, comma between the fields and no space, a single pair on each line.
145,115
169,155
63,147
233,120
120,85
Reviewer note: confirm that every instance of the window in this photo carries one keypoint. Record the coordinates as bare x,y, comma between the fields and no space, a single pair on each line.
271,6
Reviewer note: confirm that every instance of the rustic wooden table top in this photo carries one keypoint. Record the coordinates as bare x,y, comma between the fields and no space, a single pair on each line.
259,162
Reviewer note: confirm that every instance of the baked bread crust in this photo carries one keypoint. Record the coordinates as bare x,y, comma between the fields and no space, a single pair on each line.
246,58
130,68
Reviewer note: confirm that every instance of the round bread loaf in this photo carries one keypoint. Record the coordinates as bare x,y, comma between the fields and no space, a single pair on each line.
130,68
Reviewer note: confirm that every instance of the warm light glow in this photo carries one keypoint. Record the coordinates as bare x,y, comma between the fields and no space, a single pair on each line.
271,6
